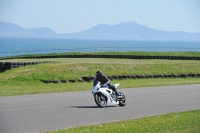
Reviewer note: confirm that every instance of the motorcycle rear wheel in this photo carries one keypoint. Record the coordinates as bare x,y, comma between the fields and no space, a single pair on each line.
100,100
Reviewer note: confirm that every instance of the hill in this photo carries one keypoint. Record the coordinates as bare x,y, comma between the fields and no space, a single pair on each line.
13,30
121,31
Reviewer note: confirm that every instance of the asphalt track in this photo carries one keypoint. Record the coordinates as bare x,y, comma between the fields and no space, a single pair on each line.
46,112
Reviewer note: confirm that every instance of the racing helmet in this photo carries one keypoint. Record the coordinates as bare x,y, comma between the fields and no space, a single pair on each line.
98,74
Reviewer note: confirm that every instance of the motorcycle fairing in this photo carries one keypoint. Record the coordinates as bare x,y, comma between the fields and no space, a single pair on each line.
105,92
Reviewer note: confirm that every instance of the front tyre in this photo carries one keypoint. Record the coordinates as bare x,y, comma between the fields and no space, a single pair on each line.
100,100
122,101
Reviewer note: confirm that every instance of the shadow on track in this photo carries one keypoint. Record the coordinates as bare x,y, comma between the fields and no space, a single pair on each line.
87,107
84,106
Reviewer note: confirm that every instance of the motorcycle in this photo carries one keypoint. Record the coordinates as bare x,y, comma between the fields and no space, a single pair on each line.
103,96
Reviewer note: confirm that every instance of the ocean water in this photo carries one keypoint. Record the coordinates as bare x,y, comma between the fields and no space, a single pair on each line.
22,46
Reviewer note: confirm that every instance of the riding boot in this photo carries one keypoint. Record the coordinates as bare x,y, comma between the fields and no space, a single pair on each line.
116,93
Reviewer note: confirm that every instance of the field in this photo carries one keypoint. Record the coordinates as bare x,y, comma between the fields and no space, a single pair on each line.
27,80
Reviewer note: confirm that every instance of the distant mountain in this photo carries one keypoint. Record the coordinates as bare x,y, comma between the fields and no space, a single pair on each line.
122,31
13,30
131,31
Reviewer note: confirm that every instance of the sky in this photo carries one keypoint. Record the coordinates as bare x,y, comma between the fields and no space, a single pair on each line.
65,16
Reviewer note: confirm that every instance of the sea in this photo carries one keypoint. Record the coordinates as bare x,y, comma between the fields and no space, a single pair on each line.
26,46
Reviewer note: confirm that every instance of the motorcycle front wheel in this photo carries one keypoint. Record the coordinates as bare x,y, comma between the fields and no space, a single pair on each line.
122,101
100,100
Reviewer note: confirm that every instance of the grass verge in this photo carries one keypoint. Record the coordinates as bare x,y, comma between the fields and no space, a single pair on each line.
27,80
141,53
103,61
183,122
76,69
13,88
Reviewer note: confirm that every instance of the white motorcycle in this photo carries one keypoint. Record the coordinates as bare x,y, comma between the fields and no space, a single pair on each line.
103,96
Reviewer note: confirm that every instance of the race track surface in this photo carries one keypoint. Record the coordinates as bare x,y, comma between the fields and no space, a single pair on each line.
46,112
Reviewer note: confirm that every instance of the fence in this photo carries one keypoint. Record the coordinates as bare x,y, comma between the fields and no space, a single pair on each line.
99,49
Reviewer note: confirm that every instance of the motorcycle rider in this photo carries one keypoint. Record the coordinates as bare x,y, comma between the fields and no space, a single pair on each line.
104,81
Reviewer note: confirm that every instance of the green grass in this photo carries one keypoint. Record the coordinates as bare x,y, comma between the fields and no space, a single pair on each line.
149,53
183,122
189,53
75,69
13,88
103,60
27,80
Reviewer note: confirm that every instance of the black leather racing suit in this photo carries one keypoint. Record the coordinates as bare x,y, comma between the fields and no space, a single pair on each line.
104,80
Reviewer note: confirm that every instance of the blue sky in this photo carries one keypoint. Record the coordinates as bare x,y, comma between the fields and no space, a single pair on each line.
65,16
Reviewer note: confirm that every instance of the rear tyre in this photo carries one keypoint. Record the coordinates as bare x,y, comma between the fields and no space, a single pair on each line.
122,101
100,100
